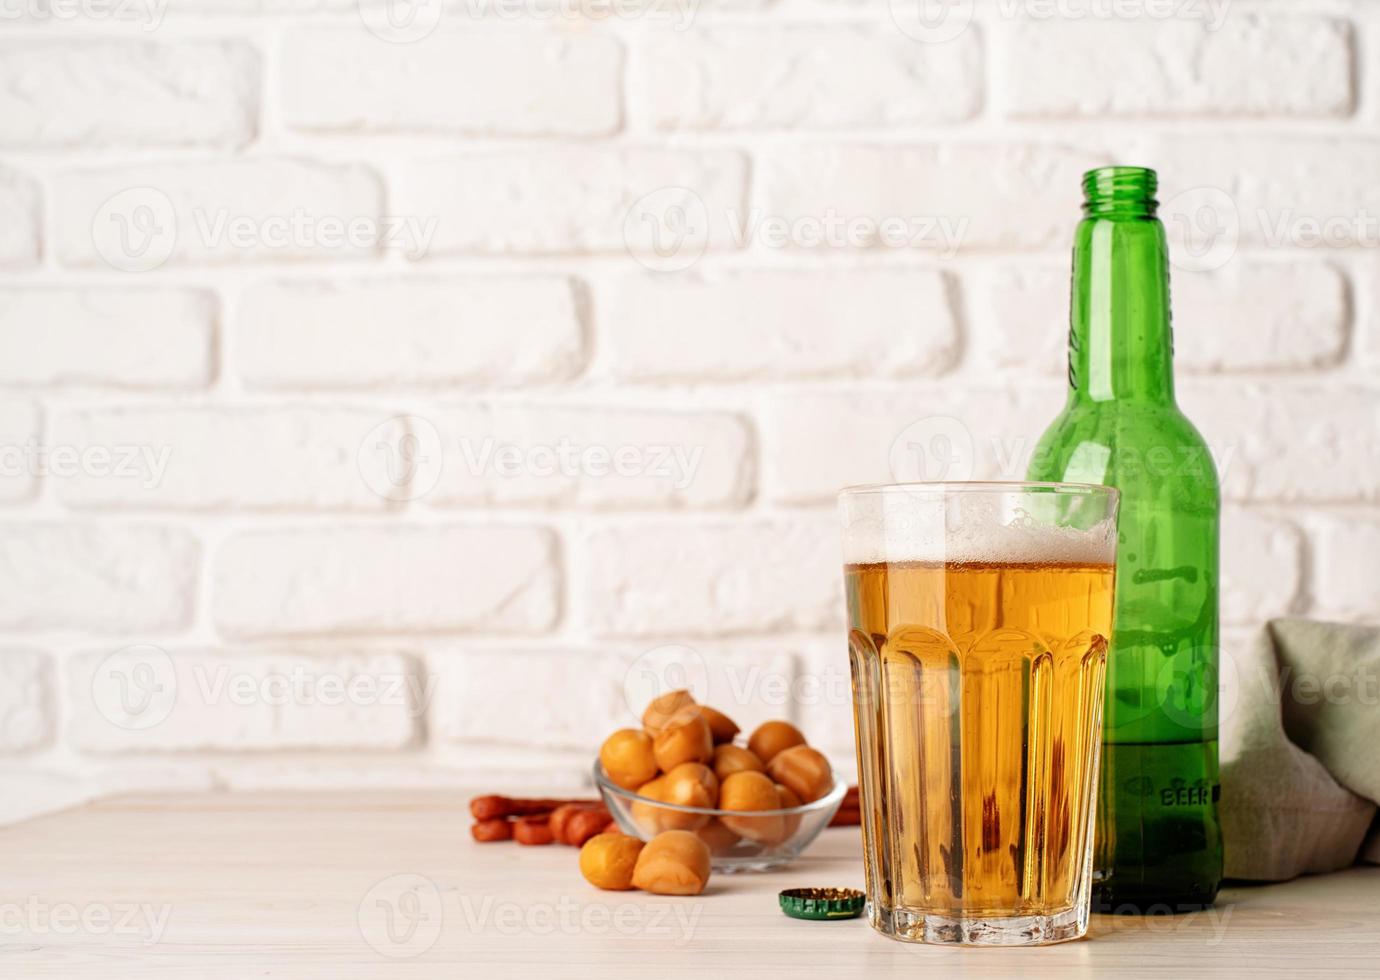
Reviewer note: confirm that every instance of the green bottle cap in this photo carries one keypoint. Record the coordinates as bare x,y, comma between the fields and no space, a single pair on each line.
822,903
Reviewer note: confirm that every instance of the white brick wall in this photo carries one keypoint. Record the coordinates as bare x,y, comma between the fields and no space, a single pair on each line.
334,580
110,337
237,701
688,580
237,210
410,332
1250,66
495,362
83,93
768,324
529,82
97,578
787,77
19,219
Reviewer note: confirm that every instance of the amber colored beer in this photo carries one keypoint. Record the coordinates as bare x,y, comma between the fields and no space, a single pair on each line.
978,698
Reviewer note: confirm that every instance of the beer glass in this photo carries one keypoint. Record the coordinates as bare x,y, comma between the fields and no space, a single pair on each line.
979,615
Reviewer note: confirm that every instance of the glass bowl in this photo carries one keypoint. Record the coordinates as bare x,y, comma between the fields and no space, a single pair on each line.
739,840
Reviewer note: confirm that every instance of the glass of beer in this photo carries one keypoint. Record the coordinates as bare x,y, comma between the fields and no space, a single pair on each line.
979,615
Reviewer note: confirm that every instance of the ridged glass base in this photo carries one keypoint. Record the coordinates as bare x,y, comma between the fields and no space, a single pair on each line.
1015,930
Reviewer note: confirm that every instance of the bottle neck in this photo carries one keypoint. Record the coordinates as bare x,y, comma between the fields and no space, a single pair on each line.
1120,339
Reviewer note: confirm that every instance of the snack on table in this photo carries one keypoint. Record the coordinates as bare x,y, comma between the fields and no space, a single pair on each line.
662,708
493,807
645,815
533,830
674,862
684,738
627,758
529,821
486,831
804,770
772,737
752,791
789,800
585,824
607,860
721,727
688,784
694,763
729,759
719,838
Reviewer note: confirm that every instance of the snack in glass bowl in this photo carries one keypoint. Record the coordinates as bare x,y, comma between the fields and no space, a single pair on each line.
684,771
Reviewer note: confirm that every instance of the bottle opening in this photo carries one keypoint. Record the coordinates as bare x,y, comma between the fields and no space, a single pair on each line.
1128,191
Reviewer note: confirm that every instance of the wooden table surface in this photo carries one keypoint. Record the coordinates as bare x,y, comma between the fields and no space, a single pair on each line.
392,886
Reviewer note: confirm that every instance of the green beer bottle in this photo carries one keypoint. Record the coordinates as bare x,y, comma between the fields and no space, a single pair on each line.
1157,842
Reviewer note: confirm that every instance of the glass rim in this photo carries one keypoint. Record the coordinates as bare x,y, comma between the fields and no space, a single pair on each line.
980,486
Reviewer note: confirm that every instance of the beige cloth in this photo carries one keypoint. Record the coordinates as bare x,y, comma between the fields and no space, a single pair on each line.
1300,717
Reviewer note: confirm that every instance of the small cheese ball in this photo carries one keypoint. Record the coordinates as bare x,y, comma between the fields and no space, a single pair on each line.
627,758
804,770
685,738
607,861
790,822
674,862
721,727
661,709
688,784
751,791
647,816
720,839
729,759
772,737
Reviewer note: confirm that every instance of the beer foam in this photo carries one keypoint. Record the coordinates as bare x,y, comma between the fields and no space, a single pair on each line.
891,538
